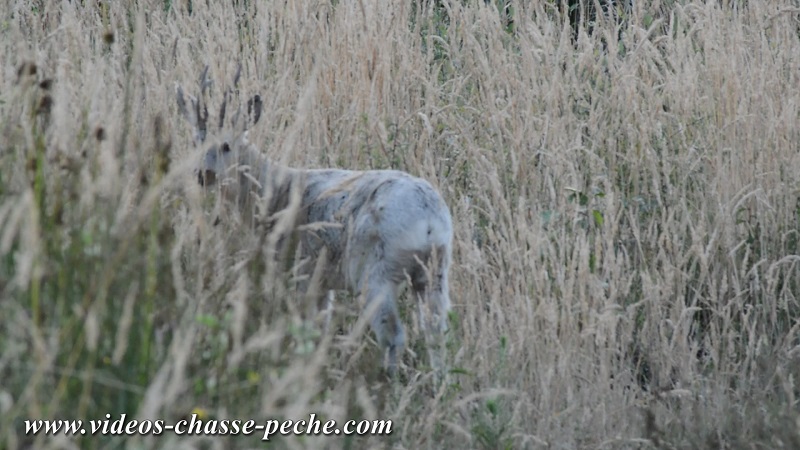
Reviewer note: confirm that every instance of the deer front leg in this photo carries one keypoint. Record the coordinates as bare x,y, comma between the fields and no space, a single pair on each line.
381,303
434,302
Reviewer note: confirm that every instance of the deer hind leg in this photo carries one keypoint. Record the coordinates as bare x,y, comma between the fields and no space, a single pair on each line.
380,294
432,293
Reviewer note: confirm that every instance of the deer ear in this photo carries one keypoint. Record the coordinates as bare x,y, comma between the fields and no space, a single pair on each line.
254,106
187,113
194,113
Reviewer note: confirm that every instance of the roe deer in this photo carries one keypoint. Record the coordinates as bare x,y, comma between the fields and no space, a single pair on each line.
364,231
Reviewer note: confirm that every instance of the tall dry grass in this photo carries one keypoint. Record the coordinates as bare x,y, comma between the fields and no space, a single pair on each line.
626,213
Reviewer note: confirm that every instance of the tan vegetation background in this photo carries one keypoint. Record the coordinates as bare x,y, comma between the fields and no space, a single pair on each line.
625,203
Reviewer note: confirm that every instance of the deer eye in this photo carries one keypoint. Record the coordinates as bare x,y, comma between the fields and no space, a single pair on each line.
226,148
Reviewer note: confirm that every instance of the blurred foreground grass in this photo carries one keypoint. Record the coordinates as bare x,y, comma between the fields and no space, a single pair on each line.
626,209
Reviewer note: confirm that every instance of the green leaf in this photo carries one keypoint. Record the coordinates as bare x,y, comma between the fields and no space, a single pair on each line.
207,320
598,217
459,371
491,406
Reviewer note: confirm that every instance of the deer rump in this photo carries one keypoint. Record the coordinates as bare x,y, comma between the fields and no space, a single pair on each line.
368,220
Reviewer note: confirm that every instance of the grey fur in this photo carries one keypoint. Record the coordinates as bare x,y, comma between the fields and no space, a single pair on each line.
368,231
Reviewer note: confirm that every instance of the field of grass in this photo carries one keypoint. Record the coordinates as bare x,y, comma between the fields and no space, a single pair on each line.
626,207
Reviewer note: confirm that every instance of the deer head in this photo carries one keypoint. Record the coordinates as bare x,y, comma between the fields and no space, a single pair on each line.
223,145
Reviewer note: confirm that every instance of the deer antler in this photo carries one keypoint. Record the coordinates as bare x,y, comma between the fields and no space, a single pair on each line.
227,95
196,111
197,114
